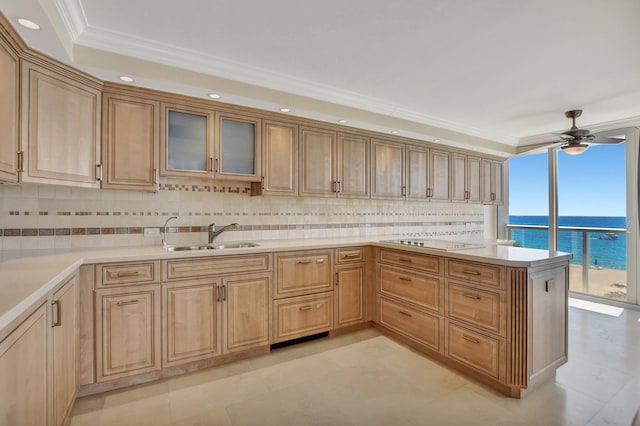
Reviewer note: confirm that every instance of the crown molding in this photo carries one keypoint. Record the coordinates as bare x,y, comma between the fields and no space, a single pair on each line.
73,17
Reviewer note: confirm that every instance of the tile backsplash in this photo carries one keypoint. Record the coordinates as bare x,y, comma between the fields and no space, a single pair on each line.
46,216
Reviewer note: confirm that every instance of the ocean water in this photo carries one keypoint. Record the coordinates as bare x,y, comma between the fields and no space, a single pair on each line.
603,251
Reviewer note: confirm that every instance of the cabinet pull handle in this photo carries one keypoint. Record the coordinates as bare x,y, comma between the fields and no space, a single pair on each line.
405,279
217,162
20,161
404,259
337,279
429,192
125,274
56,319
470,272
339,187
210,164
304,262
128,302
335,185
407,314
99,172
470,339
224,292
404,191
156,177
471,296
262,181
319,260
349,256
304,308
218,293
548,284
493,196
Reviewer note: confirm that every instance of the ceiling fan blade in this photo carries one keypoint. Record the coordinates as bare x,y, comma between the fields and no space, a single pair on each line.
528,149
565,137
606,140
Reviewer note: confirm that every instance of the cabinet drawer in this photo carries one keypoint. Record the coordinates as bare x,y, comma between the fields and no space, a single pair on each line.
420,326
423,262
114,274
303,273
207,266
475,350
423,290
350,254
302,316
482,308
491,275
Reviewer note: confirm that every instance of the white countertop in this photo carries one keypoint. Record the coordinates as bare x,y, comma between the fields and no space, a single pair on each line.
26,276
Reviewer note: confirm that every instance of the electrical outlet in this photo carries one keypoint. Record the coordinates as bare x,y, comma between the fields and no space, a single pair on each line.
151,232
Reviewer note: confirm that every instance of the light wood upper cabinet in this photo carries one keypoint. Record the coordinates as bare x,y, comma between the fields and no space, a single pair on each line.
465,178
237,148
279,158
387,170
127,331
439,175
60,127
491,179
64,353
187,141
417,172
353,166
130,134
9,111
23,372
317,162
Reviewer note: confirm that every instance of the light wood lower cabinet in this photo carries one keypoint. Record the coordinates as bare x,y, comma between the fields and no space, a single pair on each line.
423,290
477,306
302,272
190,321
302,316
127,331
478,351
23,372
423,327
350,294
64,354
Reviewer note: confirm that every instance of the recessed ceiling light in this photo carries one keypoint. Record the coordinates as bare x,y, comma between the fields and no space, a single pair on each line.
28,24
436,140
395,132
342,121
213,96
284,110
126,78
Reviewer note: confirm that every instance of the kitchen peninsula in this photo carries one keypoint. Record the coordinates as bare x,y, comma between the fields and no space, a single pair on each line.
497,313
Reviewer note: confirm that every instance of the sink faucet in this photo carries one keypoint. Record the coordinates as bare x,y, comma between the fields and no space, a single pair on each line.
164,230
213,233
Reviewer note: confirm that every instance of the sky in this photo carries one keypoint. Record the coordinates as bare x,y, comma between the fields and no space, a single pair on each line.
589,184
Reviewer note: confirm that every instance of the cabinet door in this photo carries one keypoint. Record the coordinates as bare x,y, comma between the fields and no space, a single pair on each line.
317,162
417,177
127,331
473,179
496,182
486,189
60,128
458,177
280,158
64,350
190,321
130,149
387,170
439,175
9,102
186,149
245,311
237,148
303,272
350,294
23,372
353,166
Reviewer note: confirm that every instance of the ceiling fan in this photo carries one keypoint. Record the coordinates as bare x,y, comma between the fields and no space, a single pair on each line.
575,141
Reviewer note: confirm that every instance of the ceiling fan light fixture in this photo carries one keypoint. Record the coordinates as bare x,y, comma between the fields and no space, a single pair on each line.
575,149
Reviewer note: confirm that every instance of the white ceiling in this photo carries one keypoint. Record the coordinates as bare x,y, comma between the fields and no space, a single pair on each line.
489,74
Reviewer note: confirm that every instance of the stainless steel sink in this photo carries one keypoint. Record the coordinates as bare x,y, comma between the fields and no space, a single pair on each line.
211,247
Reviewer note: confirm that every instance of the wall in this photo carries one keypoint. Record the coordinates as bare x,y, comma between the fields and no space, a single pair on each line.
45,216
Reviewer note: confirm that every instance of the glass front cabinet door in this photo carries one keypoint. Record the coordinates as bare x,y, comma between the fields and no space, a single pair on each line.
237,153
187,142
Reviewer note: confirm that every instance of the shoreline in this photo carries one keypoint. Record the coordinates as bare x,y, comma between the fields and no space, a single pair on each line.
605,282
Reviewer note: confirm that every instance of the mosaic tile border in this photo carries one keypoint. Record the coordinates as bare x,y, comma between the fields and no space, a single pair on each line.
204,188
35,232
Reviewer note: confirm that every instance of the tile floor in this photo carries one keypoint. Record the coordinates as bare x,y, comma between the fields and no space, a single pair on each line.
366,378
